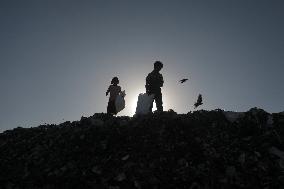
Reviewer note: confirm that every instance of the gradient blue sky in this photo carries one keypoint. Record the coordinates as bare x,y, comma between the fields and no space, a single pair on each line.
58,57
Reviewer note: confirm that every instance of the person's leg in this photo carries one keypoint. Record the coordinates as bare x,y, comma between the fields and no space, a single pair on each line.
109,107
159,102
114,108
151,107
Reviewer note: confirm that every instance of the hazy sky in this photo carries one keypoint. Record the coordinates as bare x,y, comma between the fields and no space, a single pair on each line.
58,56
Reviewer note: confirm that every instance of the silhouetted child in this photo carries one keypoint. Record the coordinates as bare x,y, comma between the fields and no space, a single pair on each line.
154,82
114,91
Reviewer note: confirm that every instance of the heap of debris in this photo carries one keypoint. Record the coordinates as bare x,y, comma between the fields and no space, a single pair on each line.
201,149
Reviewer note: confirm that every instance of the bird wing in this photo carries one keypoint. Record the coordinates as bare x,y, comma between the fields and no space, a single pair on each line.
183,80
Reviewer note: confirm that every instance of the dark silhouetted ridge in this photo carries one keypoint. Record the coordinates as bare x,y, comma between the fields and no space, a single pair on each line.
201,149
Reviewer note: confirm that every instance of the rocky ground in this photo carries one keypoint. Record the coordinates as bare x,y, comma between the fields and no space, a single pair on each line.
201,149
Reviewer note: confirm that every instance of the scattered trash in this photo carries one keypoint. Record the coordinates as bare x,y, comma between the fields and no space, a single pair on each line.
275,151
97,122
233,116
96,170
125,157
120,177
270,120
200,149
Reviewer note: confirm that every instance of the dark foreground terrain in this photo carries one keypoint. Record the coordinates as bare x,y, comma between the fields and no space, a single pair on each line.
202,149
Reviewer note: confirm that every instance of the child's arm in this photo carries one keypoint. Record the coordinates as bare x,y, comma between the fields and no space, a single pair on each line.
108,90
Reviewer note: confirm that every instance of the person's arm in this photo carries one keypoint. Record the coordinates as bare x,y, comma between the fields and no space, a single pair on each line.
108,90
147,84
161,81
119,90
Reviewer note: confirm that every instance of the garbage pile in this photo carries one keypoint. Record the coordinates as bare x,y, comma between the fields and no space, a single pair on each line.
200,149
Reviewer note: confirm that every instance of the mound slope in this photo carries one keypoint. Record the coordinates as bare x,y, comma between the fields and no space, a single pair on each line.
201,149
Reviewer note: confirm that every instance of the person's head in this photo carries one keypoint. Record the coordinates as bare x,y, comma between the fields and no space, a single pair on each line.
114,81
158,65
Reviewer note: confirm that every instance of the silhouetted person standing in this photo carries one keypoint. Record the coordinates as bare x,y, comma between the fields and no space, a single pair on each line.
114,91
154,82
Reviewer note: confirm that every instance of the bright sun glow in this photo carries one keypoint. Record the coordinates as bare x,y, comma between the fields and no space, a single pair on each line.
131,102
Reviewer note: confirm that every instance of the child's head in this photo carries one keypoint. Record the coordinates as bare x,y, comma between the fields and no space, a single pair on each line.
158,65
114,81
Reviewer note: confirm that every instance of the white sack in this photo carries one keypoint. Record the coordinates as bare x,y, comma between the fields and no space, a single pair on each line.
120,102
143,104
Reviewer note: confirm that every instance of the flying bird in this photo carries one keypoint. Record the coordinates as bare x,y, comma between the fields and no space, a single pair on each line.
199,101
183,80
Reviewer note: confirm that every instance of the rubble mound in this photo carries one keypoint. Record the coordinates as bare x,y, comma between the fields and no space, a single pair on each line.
200,149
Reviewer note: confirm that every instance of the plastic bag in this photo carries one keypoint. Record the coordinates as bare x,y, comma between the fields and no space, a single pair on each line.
144,103
120,102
